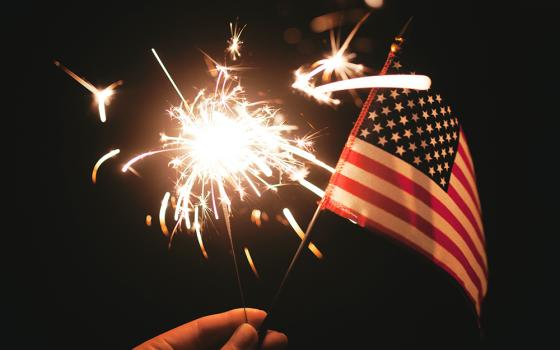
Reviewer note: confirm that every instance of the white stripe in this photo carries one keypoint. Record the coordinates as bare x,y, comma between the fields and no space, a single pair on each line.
466,197
460,163
418,177
415,205
408,232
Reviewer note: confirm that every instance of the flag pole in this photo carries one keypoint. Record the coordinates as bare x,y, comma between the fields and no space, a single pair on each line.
307,238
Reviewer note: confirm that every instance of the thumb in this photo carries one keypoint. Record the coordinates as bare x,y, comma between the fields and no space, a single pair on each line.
244,338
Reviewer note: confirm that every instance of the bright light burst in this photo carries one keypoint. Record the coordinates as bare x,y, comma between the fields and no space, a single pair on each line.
234,42
338,63
102,96
348,74
228,146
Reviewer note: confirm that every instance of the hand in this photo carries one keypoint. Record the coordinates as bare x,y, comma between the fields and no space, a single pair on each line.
226,331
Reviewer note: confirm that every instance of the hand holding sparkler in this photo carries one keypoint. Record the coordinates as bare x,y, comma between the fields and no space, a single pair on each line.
227,331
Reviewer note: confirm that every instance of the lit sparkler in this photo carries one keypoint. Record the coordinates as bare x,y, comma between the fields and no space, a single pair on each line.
102,96
348,74
227,143
339,63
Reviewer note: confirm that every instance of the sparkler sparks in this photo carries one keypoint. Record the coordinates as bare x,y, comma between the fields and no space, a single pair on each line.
226,143
101,160
102,96
340,64
251,263
234,41
300,233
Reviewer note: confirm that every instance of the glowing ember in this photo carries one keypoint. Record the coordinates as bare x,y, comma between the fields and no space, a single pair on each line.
110,154
300,233
251,263
102,96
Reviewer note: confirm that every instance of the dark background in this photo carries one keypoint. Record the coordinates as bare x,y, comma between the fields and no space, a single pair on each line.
94,276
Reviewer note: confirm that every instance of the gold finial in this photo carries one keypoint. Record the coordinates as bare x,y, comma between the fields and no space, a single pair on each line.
399,40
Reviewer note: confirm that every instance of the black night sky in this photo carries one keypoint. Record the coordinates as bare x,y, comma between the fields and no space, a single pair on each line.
93,275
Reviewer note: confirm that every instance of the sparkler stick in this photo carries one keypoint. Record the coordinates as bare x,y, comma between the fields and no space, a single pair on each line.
307,238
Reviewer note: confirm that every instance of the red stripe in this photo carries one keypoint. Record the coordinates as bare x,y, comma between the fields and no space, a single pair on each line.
466,158
419,192
412,218
458,173
452,192
364,221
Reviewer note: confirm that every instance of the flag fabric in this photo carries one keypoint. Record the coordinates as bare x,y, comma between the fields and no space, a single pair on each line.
406,172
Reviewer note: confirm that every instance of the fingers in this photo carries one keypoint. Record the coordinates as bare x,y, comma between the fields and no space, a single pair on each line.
213,331
275,341
244,338
208,332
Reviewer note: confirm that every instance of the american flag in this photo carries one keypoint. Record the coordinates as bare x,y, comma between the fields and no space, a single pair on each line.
406,171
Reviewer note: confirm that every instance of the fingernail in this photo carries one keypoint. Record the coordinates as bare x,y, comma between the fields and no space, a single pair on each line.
245,337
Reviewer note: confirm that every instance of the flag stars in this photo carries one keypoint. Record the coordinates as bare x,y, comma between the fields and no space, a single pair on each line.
452,122
434,113
433,141
394,94
442,181
445,124
423,144
429,128
364,133
438,98
403,120
395,137
381,97
438,126
410,104
440,139
412,147
372,115
444,153
428,157
397,65
432,171
430,99
454,135
400,150
448,137
450,150
419,130
415,117
386,110
390,124
398,107
382,140
407,133
436,155
421,101
416,160
406,91
439,168
442,111
377,127
425,115
446,166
